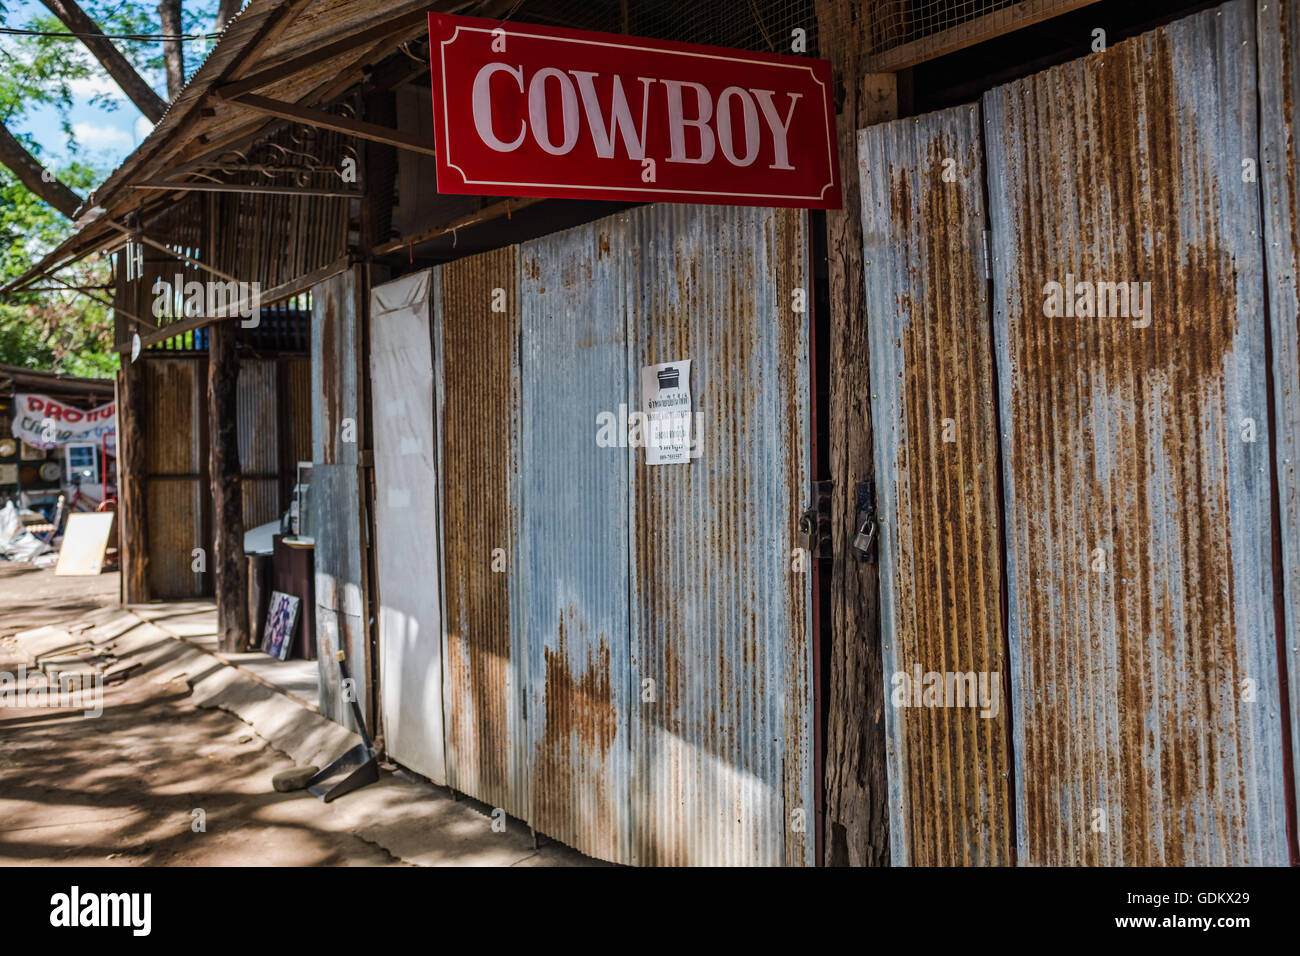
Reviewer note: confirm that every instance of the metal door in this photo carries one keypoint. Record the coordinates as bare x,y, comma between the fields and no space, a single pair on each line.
721,661
936,466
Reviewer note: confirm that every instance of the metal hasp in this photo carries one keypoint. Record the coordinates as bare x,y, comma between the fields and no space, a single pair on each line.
864,542
356,768
815,522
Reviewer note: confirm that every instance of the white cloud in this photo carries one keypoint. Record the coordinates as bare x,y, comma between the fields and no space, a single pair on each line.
88,86
101,137
142,128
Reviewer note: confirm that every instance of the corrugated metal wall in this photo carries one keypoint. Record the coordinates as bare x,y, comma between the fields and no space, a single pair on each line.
485,665
173,466
336,492
259,450
574,536
936,466
1138,516
637,682
722,758
1279,174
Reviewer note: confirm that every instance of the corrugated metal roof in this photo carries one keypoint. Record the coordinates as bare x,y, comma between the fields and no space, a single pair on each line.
1138,740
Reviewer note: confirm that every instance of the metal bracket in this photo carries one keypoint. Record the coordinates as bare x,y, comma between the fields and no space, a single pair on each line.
815,522
864,541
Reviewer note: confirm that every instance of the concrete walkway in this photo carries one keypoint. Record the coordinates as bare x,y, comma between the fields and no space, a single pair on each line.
183,731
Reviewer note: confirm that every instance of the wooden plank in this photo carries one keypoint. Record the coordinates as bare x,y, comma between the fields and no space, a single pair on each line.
855,812
323,120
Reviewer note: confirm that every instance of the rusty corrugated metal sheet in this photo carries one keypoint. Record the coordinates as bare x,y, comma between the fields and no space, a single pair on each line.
256,417
936,468
485,663
1279,167
337,519
722,757
1124,450
175,391
574,535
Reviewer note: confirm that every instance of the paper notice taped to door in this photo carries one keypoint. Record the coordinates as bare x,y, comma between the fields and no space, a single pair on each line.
666,407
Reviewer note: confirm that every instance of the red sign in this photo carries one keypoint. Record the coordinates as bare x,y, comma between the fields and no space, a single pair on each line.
523,110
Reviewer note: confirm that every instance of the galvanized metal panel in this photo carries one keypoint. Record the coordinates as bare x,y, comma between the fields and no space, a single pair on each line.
935,428
175,391
722,756
1124,450
256,421
574,535
407,559
484,661
336,491
1279,176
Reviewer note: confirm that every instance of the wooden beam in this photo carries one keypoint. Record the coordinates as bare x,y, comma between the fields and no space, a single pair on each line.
227,560
238,188
313,58
341,124
855,824
966,34
506,207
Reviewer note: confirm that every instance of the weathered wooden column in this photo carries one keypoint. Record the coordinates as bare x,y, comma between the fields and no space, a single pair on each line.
132,518
227,563
856,808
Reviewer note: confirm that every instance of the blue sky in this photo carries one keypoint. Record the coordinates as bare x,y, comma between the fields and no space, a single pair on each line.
106,134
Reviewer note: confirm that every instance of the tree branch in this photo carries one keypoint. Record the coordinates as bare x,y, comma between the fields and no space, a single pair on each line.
110,58
33,175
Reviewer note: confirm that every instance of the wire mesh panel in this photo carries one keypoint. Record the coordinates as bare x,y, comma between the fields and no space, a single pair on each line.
765,25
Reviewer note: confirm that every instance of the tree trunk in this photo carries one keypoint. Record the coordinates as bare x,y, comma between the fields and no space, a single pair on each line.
227,12
33,175
123,73
169,13
856,810
228,562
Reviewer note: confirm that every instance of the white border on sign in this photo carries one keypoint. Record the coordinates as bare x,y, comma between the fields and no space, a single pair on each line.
446,137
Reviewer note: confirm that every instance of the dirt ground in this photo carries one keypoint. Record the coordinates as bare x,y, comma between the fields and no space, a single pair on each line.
129,787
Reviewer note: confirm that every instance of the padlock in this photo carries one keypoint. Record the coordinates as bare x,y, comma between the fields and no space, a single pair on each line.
865,539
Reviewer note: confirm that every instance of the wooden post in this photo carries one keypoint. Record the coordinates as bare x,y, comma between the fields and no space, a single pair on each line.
856,808
132,518
227,561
